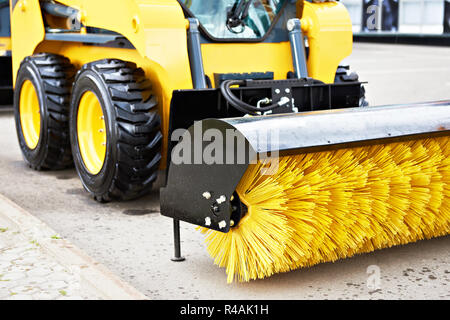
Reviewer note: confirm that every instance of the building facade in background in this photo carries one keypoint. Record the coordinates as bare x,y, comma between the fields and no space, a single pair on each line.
400,16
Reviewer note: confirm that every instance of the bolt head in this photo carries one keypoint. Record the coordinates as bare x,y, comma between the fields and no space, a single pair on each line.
221,199
215,209
206,195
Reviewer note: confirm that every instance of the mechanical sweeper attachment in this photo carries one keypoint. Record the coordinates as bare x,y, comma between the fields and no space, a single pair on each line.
281,192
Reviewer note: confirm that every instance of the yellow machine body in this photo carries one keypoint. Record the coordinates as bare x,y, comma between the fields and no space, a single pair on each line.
157,30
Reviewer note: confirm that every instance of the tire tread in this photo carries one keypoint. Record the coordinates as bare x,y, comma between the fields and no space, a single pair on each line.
137,121
57,75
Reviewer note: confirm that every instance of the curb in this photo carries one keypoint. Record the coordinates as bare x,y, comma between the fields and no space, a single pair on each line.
94,277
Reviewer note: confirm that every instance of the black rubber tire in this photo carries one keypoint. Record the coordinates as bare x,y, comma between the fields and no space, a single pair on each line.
343,74
134,139
52,76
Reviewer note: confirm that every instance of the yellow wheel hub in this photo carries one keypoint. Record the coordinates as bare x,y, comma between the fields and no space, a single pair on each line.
30,116
91,131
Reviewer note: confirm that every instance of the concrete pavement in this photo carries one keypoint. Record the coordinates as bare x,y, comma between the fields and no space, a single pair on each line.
27,273
37,264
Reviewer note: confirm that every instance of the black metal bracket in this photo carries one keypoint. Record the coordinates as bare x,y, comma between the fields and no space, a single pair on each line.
188,106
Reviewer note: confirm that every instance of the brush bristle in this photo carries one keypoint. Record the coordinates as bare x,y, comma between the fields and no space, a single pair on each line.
320,207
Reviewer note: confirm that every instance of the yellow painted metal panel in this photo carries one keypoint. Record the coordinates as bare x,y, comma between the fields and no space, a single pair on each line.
329,31
247,57
156,28
27,31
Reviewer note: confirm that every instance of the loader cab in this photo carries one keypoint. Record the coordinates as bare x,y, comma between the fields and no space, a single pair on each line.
244,37
242,20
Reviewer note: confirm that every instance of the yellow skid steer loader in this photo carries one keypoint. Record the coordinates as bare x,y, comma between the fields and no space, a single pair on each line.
241,112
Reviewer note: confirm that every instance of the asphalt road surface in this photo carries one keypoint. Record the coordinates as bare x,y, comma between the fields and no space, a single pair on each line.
135,241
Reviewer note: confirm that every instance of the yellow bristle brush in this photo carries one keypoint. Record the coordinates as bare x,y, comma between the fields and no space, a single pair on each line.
320,207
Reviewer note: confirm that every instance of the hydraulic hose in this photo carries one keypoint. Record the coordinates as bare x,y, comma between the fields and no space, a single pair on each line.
240,105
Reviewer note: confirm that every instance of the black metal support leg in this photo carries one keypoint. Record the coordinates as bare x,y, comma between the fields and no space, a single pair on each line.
199,82
177,242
